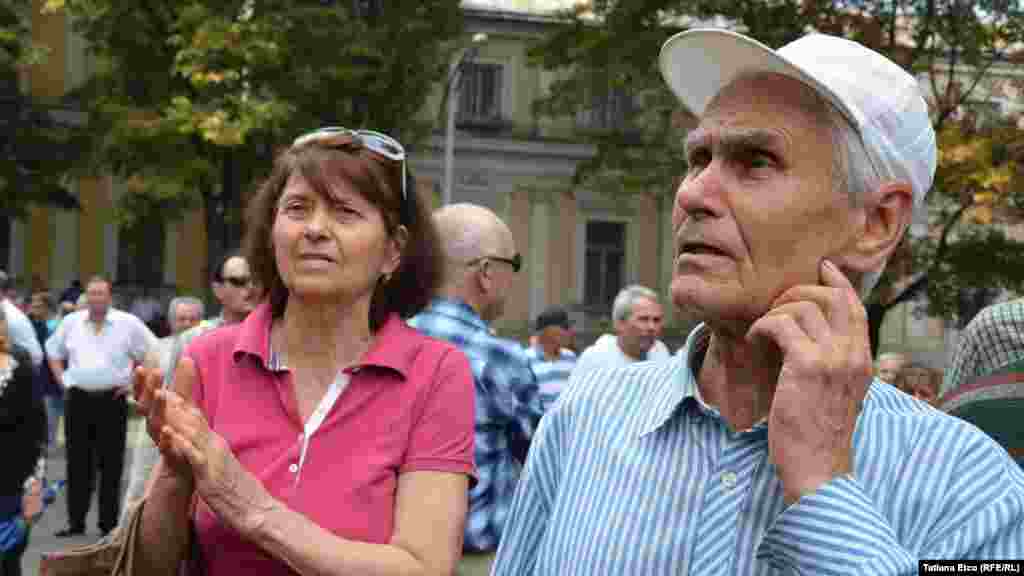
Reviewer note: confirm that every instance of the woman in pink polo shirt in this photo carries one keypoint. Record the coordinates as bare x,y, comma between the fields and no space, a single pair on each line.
322,435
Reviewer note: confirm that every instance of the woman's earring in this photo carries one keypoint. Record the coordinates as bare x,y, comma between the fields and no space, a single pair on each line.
385,278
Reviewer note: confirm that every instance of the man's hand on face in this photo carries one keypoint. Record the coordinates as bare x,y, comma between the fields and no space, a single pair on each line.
826,371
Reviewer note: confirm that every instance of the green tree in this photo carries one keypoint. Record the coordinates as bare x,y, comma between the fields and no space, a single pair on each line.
607,47
190,99
34,146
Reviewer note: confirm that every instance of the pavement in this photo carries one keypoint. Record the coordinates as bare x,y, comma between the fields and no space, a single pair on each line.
55,517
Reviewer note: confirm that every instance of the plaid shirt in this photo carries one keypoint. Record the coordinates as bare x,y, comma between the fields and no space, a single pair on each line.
991,341
507,411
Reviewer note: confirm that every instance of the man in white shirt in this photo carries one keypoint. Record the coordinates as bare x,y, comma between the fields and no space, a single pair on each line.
101,346
18,325
638,319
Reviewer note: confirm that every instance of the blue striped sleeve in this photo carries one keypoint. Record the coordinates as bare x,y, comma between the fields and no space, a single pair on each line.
839,529
835,530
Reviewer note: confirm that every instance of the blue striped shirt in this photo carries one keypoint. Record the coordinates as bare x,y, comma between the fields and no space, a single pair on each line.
552,375
631,473
507,411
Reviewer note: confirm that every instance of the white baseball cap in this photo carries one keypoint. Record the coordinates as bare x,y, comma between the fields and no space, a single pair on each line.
880,99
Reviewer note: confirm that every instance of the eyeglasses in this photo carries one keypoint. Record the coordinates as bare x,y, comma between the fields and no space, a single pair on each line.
238,281
336,136
516,262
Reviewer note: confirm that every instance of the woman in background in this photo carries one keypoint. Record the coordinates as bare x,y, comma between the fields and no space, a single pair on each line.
22,436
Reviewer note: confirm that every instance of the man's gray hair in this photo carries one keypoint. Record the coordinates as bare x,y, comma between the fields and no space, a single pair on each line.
855,175
622,307
188,301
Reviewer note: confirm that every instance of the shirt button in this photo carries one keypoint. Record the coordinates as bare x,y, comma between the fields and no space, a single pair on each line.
729,480
293,468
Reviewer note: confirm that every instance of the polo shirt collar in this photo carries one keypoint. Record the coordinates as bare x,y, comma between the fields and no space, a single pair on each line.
681,383
394,347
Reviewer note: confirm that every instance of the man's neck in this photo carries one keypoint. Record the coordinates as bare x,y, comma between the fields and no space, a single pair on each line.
739,378
98,319
470,300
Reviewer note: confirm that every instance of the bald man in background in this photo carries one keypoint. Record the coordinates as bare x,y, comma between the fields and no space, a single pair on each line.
481,262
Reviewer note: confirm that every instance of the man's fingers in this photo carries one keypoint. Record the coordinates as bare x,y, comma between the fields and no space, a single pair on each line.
832,276
784,331
837,298
808,316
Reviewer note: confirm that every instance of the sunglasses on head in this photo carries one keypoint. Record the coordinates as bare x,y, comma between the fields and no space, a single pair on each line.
333,136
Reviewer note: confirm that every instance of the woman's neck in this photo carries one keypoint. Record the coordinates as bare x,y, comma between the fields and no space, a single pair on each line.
739,378
319,333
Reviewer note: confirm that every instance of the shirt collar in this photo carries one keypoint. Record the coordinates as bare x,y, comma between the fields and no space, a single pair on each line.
682,383
394,347
458,309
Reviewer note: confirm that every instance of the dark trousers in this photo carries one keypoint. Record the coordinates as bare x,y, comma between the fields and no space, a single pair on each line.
95,426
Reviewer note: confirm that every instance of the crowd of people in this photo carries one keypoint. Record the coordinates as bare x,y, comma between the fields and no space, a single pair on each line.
353,410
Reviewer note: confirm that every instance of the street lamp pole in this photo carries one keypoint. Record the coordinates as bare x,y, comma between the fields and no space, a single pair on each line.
452,95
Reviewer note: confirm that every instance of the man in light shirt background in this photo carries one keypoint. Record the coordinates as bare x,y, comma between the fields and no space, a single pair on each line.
638,319
100,346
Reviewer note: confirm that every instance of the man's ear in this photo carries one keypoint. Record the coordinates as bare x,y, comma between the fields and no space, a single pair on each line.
885,216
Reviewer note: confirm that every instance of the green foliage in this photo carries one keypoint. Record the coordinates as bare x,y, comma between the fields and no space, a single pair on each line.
606,46
34,148
189,98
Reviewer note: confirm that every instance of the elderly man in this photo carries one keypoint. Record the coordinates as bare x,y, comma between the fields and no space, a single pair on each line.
184,313
638,319
100,345
481,264
889,368
739,456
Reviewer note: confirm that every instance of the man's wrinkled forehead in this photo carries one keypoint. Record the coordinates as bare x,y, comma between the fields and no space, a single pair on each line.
763,92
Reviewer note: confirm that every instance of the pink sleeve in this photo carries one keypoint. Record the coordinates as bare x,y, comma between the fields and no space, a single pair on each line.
442,435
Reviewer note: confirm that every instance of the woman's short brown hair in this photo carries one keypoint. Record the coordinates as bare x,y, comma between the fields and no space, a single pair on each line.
379,181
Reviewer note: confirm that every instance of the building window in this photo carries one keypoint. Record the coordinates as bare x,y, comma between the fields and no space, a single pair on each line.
604,264
611,112
480,92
